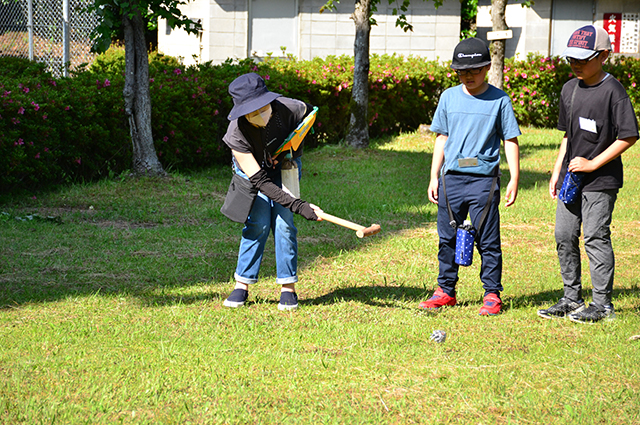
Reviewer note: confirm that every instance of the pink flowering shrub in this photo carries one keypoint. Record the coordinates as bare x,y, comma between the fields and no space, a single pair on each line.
189,116
627,71
403,92
535,85
70,129
46,124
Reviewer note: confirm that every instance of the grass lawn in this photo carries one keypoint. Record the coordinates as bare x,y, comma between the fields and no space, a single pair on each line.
111,306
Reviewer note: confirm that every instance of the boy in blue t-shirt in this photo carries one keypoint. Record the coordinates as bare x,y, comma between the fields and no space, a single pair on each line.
471,120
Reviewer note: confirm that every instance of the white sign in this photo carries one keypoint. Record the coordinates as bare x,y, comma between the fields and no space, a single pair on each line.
630,29
499,35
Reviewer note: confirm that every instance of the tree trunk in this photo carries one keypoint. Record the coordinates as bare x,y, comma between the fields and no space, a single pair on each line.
358,131
496,74
137,98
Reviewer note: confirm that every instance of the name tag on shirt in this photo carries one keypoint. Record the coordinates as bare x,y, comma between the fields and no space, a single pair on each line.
467,162
588,125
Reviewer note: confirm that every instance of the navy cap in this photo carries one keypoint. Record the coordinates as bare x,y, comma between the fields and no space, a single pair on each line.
249,93
586,41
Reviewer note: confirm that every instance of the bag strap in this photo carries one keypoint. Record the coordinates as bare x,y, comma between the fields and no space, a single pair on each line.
569,129
485,211
452,220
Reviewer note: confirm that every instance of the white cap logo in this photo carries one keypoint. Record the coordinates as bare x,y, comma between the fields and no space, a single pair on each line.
472,55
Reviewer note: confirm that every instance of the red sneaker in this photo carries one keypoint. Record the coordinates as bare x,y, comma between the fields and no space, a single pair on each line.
438,300
491,305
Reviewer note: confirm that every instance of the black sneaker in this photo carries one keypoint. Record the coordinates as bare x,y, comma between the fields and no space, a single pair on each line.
562,308
592,314
237,298
288,301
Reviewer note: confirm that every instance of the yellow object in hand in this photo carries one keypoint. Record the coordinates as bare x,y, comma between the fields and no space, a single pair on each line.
297,136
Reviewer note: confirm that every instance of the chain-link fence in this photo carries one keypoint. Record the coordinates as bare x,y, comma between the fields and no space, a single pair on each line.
38,30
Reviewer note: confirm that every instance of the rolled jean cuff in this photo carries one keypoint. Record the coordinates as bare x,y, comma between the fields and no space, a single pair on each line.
244,280
286,280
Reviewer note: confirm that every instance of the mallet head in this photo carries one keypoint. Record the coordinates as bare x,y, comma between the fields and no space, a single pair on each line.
368,231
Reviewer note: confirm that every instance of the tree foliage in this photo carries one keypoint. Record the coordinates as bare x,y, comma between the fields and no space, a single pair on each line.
132,16
498,22
401,7
468,14
358,132
111,13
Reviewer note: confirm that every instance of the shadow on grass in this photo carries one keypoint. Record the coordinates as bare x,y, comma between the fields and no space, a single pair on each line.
380,296
366,186
390,296
148,290
373,295
548,298
527,150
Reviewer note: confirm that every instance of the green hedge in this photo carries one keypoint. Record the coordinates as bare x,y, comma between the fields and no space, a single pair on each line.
69,129
534,85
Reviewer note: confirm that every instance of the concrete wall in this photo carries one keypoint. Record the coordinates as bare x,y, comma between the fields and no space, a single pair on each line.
227,37
179,43
546,27
531,26
227,26
542,28
435,31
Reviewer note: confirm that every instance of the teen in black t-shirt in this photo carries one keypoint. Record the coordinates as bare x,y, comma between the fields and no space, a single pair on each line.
599,124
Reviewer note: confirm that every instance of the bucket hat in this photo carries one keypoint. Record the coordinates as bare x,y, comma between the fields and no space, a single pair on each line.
249,94
470,53
586,41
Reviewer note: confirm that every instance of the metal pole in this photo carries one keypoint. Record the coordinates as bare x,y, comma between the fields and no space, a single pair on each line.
30,27
65,37
550,36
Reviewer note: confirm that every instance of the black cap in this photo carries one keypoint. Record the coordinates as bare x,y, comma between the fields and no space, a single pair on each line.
470,53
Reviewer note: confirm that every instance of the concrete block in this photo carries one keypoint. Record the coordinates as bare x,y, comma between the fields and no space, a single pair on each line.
346,42
240,40
324,28
324,17
346,52
377,42
424,29
422,44
396,44
347,28
323,42
321,52
221,25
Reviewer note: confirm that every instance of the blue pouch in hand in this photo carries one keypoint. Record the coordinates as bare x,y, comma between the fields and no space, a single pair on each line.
465,236
571,187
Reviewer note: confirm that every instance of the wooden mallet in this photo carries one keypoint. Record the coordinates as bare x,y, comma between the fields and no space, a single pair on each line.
361,231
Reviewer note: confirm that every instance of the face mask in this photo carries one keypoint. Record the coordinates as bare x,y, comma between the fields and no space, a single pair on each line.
261,119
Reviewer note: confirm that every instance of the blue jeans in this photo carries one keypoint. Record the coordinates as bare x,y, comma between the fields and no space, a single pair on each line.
267,216
468,194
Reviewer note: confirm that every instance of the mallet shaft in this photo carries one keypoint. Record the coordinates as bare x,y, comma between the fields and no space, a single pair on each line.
361,231
339,221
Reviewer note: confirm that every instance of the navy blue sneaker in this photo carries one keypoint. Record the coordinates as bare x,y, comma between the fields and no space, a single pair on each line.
237,298
288,301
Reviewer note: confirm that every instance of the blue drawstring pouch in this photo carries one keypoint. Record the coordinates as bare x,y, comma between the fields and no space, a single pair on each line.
571,187
465,236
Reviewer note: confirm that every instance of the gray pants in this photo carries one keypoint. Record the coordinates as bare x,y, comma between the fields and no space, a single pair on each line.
593,210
